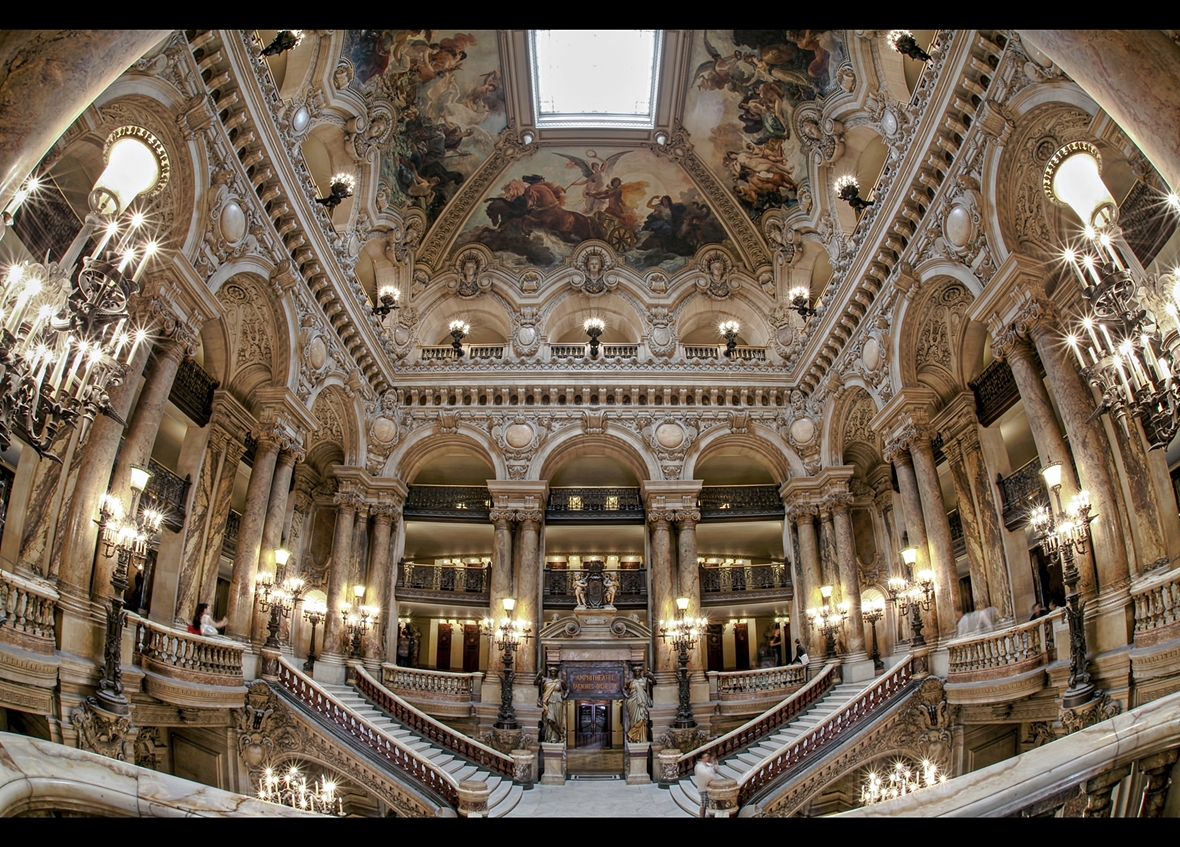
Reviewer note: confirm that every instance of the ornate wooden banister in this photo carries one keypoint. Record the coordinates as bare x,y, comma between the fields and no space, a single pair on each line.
828,732
407,761
753,731
432,730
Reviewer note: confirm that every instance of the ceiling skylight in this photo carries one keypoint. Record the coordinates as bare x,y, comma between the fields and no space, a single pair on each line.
595,78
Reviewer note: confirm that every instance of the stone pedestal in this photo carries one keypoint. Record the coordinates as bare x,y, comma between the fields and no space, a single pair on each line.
636,762
524,768
506,740
553,763
329,669
270,663
666,772
473,798
858,668
687,739
723,798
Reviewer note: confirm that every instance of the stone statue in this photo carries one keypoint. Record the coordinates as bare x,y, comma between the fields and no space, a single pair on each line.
638,703
551,692
610,587
580,591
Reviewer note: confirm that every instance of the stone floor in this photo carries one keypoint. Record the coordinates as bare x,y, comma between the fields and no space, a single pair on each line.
596,798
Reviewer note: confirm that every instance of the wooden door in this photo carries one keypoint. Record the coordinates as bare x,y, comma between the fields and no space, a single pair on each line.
443,653
741,646
714,651
470,647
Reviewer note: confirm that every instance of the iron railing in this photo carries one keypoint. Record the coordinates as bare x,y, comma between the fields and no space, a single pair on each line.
192,391
721,582
229,541
560,585
465,503
738,502
593,505
444,582
168,492
1021,492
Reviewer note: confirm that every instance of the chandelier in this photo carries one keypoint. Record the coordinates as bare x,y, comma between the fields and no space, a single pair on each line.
291,789
65,330
902,780
828,618
1124,348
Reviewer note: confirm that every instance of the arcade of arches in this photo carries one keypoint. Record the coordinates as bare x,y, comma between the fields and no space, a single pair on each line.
914,406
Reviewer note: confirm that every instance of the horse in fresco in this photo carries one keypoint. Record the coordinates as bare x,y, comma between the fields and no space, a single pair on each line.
545,200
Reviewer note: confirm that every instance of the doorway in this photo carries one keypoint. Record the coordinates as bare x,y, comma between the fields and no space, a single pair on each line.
714,647
470,648
592,724
443,653
741,646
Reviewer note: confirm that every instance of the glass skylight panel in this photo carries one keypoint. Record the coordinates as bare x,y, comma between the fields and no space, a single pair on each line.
595,78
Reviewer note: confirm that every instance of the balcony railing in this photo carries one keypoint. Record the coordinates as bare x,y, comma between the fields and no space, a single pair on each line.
1157,610
436,686
995,392
594,505
722,583
560,586
582,351
192,391
180,655
741,502
741,353
27,608
955,519
445,351
229,541
465,503
468,584
168,493
760,684
1021,492
1003,653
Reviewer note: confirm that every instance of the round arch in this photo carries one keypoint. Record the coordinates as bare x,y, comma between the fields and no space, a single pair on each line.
573,442
422,445
760,443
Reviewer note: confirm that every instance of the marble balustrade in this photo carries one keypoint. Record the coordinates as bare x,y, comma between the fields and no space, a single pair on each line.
1079,771
181,655
1004,651
27,608
733,685
1157,607
430,685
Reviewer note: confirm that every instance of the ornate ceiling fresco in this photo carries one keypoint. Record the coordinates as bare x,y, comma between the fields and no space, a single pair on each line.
447,99
446,95
739,110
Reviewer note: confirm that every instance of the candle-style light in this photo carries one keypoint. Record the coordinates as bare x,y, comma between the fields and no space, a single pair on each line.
340,189
594,328
829,619
506,636
871,612
291,789
848,190
730,329
683,631
912,596
459,330
902,40
387,297
799,296
357,618
277,593
65,333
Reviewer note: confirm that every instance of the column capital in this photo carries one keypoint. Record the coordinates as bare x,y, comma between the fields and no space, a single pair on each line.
384,513
687,517
499,516
802,512
349,499
838,501
660,516
527,516
907,437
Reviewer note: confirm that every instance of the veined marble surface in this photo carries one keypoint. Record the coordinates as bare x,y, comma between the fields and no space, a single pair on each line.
1008,786
37,774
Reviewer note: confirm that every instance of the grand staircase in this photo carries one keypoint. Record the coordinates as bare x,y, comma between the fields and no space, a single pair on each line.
740,763
504,794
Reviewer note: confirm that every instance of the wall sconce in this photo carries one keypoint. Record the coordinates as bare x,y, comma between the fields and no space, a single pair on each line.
799,295
848,190
341,189
387,297
902,40
594,328
730,330
459,330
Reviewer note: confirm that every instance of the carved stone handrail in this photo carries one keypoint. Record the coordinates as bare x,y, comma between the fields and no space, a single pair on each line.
446,351
424,684
1157,609
733,685
432,730
27,608
1080,769
179,654
1001,653
580,351
406,760
755,730
829,732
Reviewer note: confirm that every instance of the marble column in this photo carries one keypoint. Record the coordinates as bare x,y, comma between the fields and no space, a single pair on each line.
968,517
241,587
79,535
938,534
76,65
1150,512
1133,74
528,587
990,523
501,578
803,514
347,503
205,526
663,585
689,577
840,504
1110,531
272,526
378,581
914,519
